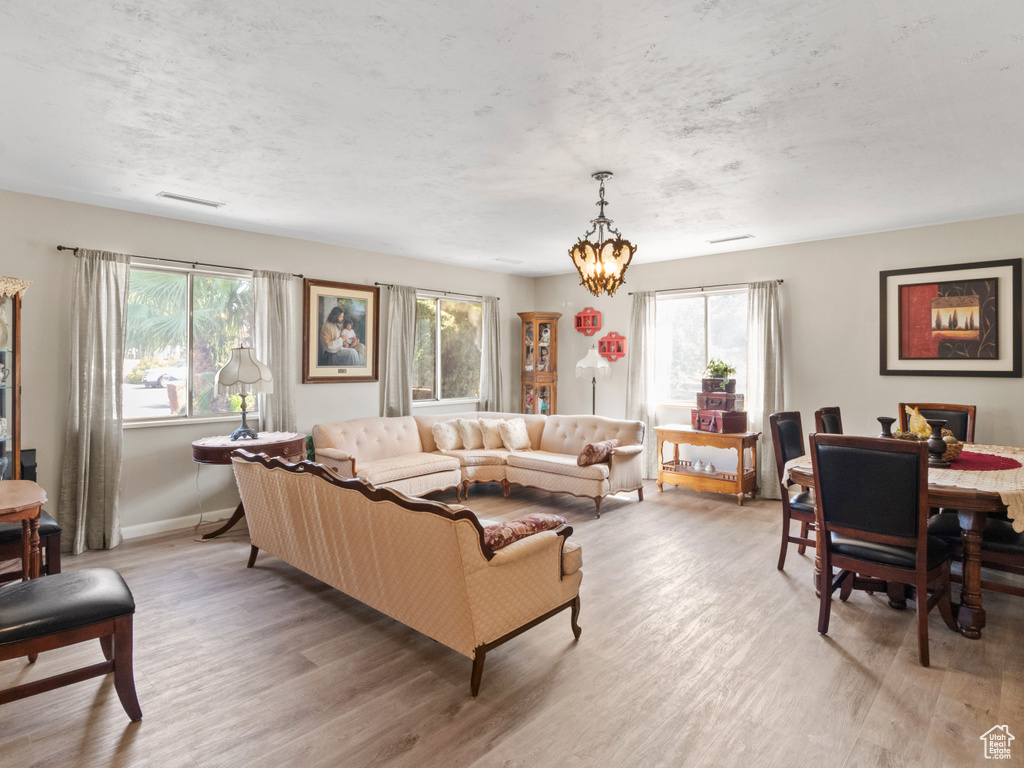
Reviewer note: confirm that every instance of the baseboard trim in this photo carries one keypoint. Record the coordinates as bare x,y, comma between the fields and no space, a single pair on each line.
174,524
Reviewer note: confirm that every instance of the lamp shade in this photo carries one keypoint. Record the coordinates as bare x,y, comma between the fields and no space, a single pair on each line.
592,365
243,374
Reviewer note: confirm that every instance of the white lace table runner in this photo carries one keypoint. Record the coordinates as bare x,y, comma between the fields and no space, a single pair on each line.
1008,483
264,437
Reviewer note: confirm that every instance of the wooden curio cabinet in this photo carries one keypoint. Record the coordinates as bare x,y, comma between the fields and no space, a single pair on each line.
540,362
10,378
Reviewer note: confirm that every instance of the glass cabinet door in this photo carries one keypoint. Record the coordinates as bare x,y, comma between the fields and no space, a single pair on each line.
7,392
529,347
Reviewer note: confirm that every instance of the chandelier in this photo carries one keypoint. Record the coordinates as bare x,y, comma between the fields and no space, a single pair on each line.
602,263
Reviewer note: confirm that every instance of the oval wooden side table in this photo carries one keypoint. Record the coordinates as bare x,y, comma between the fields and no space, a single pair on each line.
290,446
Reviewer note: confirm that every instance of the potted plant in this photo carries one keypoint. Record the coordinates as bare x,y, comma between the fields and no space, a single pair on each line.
717,377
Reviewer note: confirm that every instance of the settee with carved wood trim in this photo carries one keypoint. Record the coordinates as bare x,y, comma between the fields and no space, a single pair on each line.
401,452
420,562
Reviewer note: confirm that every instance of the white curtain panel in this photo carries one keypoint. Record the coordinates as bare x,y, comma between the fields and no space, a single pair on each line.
401,341
91,473
275,347
764,376
640,374
490,357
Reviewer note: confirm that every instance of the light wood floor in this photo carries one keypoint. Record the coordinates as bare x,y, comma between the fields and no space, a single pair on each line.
695,651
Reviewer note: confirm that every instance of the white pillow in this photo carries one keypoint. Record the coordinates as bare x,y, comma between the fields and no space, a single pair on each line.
491,430
514,435
470,432
446,435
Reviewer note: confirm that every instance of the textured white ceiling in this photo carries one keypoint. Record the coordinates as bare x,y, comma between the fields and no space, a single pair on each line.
466,132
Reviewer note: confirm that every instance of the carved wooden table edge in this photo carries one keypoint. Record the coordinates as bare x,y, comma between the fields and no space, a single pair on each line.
289,448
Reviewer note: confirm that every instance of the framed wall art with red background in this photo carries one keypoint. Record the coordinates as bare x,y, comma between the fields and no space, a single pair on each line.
953,320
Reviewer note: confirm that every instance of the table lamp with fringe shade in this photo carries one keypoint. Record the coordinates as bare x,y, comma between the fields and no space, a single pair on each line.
244,375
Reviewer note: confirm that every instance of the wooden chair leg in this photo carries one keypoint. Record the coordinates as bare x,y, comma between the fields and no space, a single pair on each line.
124,674
922,621
846,586
506,488
597,502
52,554
785,540
107,644
253,551
945,606
478,671
574,614
825,588
640,494
803,535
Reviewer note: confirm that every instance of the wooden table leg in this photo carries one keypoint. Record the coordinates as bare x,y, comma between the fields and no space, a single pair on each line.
238,515
971,615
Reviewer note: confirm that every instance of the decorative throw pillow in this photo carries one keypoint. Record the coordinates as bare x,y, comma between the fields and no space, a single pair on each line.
470,433
502,534
446,435
491,431
593,453
514,435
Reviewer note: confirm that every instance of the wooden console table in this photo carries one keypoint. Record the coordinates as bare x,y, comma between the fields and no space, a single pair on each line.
676,472
290,446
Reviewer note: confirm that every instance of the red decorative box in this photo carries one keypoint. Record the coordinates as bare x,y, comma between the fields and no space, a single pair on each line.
719,421
588,322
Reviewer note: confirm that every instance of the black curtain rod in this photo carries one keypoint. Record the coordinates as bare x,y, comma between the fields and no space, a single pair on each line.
74,250
444,293
780,281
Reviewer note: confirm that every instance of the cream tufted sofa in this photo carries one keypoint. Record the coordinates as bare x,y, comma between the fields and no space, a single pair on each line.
420,562
400,453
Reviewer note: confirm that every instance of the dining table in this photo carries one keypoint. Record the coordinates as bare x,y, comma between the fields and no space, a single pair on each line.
983,480
22,501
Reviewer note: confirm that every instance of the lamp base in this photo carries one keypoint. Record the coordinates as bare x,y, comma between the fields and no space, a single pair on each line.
244,431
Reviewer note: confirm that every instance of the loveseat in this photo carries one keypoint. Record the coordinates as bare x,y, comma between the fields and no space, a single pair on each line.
402,453
432,567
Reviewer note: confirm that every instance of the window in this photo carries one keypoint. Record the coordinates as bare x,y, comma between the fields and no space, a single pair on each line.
693,329
181,327
446,360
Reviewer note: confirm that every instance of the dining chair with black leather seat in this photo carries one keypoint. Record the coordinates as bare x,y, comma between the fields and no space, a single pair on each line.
959,418
829,420
1002,548
62,609
788,440
871,514
49,539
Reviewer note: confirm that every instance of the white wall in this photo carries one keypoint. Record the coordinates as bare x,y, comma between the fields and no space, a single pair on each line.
830,321
159,479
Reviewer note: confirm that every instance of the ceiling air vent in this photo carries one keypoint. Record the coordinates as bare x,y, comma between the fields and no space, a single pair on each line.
187,199
730,239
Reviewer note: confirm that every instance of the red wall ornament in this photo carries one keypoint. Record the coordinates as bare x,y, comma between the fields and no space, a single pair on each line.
588,322
612,346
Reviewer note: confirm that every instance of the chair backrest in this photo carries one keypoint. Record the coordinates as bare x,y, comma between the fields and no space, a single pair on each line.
959,418
828,420
872,488
787,438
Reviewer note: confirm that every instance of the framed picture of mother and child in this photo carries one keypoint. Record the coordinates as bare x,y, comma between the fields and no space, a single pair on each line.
339,332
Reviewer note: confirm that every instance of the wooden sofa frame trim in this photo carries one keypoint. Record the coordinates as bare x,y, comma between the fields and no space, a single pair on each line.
306,467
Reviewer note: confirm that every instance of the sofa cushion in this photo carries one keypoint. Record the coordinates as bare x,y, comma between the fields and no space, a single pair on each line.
401,467
558,464
504,533
514,435
446,435
479,457
472,437
491,431
592,453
